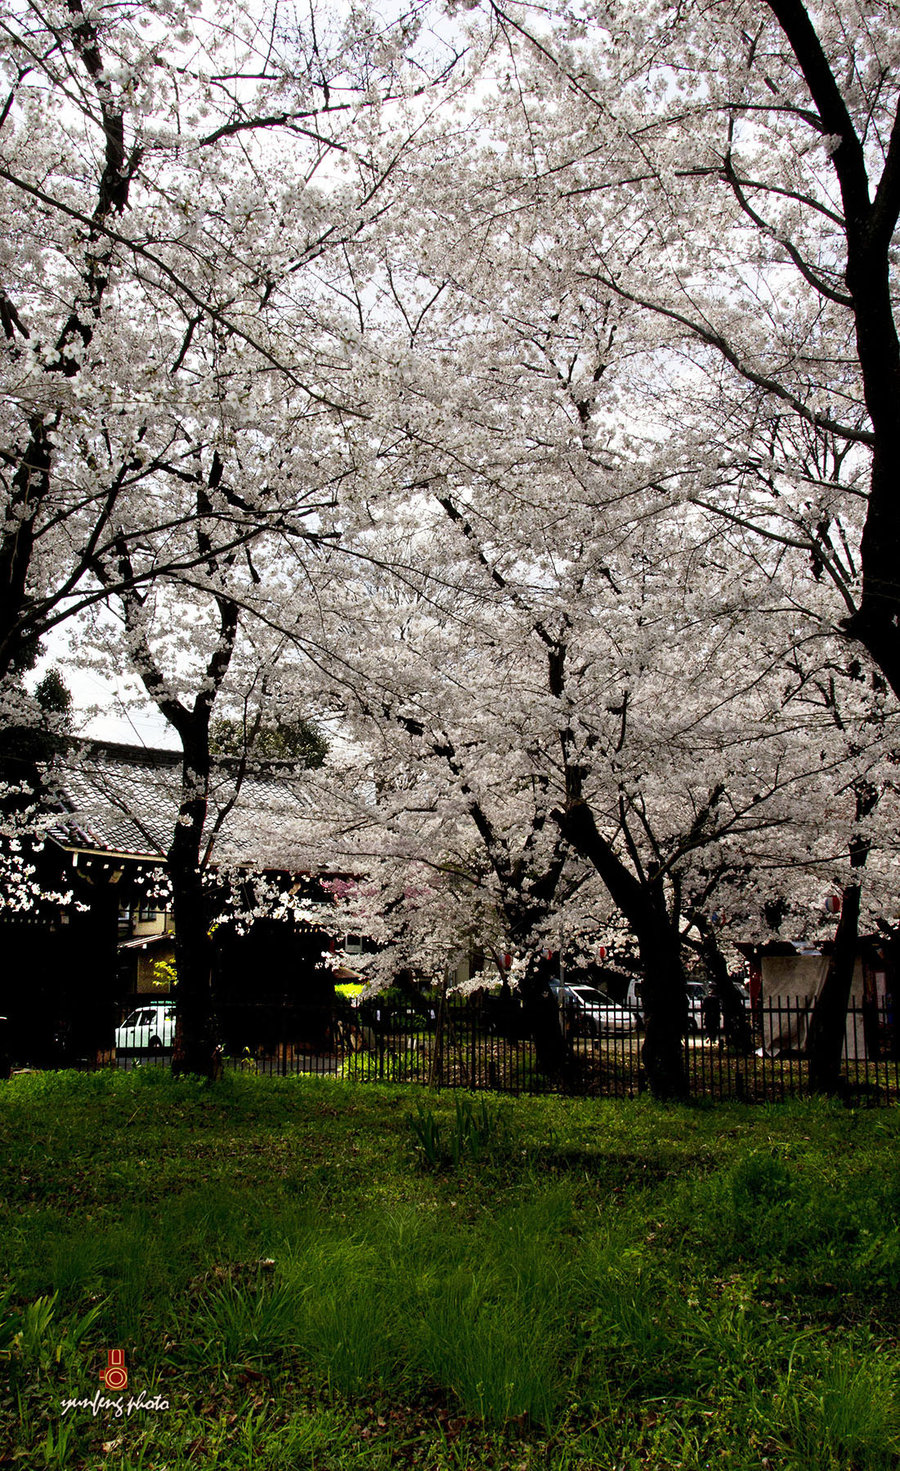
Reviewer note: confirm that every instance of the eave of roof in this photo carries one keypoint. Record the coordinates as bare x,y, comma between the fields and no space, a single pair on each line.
79,850
142,942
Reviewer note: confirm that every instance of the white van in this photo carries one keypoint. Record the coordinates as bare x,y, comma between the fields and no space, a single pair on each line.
150,1028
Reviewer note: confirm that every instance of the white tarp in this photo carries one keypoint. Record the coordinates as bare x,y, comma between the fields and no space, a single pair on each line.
793,983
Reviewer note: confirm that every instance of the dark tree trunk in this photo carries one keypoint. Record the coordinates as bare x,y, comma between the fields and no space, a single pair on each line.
195,1035
828,1025
870,216
664,996
542,1019
643,904
734,1014
195,1032
30,486
827,1028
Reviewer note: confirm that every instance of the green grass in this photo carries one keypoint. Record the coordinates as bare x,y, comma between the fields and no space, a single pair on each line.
316,1275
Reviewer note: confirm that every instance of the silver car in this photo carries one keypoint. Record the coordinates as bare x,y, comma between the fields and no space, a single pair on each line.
150,1028
590,1011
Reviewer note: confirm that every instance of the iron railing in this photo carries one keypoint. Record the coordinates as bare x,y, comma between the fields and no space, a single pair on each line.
465,1047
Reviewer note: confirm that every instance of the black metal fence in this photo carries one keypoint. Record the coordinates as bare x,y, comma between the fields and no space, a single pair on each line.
765,1061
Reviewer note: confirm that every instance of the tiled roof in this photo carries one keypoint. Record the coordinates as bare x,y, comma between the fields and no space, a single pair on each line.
124,799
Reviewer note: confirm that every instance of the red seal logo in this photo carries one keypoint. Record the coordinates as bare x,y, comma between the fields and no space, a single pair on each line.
115,1375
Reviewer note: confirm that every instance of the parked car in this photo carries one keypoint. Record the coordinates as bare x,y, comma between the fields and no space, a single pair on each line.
695,994
696,991
593,1012
150,1028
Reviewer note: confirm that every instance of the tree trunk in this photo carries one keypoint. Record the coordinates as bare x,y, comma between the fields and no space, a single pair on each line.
827,1028
734,1014
664,997
541,1011
643,903
195,1032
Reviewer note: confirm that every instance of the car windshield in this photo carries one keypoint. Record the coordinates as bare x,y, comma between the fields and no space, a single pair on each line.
592,997
146,1017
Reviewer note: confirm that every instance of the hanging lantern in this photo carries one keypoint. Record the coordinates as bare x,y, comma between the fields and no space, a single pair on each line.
833,904
602,952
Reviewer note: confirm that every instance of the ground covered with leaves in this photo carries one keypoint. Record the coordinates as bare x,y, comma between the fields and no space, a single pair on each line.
306,1274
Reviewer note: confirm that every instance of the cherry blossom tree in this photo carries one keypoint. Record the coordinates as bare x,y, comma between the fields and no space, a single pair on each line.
553,512
581,695
702,369
733,176
182,188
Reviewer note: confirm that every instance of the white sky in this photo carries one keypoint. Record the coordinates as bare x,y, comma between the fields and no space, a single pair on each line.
111,710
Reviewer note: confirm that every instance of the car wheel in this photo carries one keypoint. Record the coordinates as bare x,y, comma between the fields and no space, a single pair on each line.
155,1044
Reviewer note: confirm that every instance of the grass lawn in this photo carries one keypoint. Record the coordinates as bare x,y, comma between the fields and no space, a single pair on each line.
307,1274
